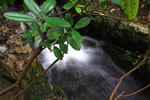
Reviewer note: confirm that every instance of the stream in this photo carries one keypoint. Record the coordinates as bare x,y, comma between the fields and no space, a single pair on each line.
88,74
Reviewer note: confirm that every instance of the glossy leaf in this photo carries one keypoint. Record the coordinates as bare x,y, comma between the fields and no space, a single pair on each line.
76,35
78,10
48,5
81,6
20,17
35,34
34,28
116,2
37,38
59,29
63,47
3,4
11,2
27,34
102,4
25,42
130,8
31,44
57,22
46,43
82,22
73,43
43,27
32,6
68,5
53,34
68,18
57,53
62,39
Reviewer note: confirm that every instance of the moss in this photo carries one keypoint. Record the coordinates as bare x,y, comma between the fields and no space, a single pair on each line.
35,70
41,89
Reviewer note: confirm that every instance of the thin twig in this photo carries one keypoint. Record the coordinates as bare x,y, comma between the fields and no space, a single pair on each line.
83,8
117,18
127,95
35,78
128,73
67,10
27,66
120,95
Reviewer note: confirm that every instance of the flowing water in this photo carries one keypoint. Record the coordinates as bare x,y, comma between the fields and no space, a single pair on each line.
88,74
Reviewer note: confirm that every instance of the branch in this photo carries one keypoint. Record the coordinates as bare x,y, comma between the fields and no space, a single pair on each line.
120,95
127,95
117,18
128,73
83,8
35,78
27,66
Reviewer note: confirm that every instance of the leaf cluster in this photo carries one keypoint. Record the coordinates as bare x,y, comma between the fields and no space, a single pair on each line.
60,32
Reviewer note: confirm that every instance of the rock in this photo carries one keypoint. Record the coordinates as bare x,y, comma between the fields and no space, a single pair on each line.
138,27
4,84
3,49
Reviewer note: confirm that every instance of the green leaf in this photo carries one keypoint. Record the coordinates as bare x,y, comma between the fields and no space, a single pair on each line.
25,42
51,86
48,5
3,4
81,6
32,6
78,10
11,2
73,43
34,28
57,22
24,6
62,39
62,93
27,34
102,4
68,18
130,8
63,47
57,53
43,27
82,22
35,34
76,35
37,38
53,34
68,5
46,43
31,44
116,2
20,17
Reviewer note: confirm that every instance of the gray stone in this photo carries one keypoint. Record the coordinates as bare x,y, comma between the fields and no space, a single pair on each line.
3,49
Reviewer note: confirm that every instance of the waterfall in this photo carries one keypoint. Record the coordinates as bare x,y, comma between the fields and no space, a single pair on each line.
88,74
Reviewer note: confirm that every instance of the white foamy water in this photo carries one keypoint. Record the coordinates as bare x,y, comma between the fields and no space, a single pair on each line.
88,74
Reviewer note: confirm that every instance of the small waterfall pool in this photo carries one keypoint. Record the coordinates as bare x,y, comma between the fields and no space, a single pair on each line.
88,74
